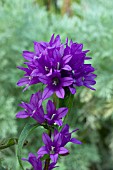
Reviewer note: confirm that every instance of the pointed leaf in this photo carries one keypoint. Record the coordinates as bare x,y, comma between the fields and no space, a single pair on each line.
24,134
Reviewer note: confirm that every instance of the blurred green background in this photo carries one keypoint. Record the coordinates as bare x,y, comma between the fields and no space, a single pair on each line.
85,21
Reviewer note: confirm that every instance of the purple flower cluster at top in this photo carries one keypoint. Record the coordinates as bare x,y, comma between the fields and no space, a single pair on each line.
58,66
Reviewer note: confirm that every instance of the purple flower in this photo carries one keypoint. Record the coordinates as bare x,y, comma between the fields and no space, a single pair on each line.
66,136
58,66
52,147
27,79
53,115
37,163
81,73
32,109
42,47
34,161
51,61
55,83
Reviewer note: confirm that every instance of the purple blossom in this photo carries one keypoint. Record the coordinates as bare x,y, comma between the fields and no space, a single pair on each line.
53,115
34,161
81,73
55,83
37,163
55,146
53,63
66,136
52,147
27,79
32,109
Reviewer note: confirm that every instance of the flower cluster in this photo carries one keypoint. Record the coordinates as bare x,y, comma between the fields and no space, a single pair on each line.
59,67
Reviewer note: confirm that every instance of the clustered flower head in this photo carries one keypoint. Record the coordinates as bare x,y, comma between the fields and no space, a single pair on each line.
60,67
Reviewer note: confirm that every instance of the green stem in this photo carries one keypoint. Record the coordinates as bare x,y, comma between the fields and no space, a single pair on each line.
47,162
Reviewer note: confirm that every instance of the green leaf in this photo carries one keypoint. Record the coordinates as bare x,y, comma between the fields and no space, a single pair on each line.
24,134
7,142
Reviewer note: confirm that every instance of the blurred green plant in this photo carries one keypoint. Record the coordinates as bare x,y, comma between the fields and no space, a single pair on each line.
22,22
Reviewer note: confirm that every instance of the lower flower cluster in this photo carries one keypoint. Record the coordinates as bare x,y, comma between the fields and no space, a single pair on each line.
55,141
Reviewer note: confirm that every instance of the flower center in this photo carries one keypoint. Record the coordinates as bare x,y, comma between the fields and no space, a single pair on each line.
53,116
55,81
58,66
52,149
46,68
35,57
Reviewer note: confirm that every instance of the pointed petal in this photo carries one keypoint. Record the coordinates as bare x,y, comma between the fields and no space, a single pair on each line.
35,98
75,141
63,150
72,90
47,140
28,55
67,81
60,93
65,129
57,139
50,107
67,58
35,73
42,151
23,81
38,48
54,157
67,67
59,122
38,115
47,93
62,112
52,39
43,79
22,114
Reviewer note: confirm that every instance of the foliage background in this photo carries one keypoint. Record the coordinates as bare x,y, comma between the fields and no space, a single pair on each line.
88,22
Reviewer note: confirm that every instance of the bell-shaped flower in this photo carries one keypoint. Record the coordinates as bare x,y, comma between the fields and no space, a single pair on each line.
54,116
52,147
32,109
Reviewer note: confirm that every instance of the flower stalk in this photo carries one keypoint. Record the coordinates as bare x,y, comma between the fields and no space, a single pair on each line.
61,68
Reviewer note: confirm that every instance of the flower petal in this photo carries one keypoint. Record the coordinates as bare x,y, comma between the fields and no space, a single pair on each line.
50,107
54,157
23,81
28,55
47,93
43,79
67,58
47,140
60,93
59,122
42,151
22,114
62,112
63,150
75,141
67,67
67,81
72,90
